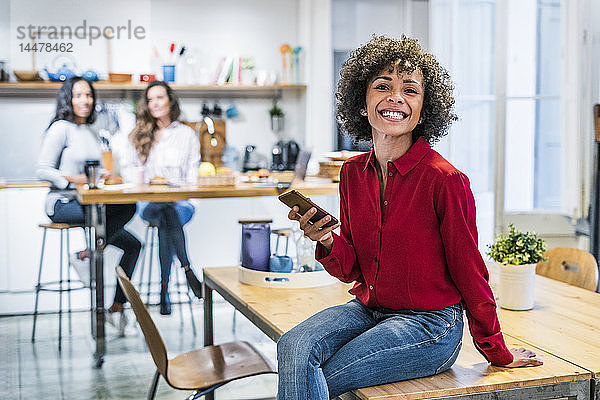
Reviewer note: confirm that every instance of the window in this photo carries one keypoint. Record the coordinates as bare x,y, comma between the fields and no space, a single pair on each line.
520,137
533,109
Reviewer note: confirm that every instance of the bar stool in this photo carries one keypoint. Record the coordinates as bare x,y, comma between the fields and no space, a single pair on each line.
56,286
181,285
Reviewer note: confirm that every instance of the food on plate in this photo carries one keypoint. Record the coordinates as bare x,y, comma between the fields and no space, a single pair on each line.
263,173
113,180
159,180
224,171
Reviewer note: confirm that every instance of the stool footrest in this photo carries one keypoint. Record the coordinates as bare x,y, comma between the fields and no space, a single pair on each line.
59,226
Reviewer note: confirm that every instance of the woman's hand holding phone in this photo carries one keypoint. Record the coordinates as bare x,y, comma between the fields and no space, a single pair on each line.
315,231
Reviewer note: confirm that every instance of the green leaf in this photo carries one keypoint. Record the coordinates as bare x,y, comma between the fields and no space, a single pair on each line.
517,248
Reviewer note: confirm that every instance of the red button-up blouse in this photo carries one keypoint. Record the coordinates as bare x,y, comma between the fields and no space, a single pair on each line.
418,248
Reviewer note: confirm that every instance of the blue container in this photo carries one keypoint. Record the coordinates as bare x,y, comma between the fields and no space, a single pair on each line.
281,263
256,246
169,73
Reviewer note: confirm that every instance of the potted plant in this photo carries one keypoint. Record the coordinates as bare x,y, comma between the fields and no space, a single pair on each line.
516,255
277,115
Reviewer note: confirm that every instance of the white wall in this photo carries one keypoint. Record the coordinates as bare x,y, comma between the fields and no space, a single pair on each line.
209,31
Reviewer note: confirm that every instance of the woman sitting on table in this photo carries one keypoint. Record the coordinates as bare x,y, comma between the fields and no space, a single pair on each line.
408,240
67,143
169,152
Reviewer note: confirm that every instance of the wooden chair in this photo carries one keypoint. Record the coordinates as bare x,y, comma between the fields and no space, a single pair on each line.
574,266
202,370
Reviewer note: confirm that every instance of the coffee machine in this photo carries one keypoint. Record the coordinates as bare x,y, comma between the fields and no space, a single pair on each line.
284,155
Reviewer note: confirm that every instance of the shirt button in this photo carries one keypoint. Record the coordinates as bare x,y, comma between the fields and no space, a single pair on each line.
385,203
371,287
390,174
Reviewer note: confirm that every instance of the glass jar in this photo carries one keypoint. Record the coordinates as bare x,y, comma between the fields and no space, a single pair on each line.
305,254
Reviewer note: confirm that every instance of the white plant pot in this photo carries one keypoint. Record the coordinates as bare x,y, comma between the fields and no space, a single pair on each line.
493,268
516,286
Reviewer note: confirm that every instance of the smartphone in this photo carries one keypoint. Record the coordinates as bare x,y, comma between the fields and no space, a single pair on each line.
295,198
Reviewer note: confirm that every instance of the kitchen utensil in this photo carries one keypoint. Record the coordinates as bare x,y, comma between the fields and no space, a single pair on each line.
169,73
90,75
256,245
284,155
209,152
61,75
119,78
278,162
27,75
252,160
3,72
279,263
147,77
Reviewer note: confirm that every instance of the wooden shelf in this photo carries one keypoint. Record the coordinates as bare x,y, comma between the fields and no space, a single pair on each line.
110,89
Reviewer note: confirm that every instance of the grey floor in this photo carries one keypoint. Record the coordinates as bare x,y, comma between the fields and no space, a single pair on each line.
37,370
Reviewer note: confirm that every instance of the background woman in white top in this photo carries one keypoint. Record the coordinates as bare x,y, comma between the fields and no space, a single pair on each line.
168,149
67,144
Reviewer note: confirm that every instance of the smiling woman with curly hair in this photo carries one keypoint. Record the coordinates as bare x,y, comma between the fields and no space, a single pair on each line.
408,240
403,55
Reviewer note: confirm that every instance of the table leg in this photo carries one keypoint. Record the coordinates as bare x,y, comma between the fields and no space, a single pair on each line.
208,315
208,323
97,221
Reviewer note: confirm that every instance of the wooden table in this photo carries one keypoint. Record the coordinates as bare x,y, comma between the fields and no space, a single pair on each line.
96,199
565,322
275,311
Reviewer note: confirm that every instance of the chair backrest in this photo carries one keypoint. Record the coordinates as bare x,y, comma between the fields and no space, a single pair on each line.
153,339
574,266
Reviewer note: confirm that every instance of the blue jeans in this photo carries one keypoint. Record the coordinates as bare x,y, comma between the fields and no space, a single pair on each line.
169,218
117,215
352,346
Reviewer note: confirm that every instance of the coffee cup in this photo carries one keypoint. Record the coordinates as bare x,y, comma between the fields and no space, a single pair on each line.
92,173
133,175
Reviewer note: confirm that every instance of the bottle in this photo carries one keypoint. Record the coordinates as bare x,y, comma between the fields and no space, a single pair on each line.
305,254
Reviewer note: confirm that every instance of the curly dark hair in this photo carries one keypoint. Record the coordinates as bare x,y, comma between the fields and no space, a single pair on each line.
143,135
406,55
64,102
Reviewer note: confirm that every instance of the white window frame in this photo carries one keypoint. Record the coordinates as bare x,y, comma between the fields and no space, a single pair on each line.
575,57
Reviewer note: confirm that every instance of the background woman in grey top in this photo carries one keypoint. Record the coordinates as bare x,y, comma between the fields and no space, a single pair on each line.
67,144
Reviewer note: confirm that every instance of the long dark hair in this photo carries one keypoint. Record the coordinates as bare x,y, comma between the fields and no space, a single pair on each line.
143,135
64,102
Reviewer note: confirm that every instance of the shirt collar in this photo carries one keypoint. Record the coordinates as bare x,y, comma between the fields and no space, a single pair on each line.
408,161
